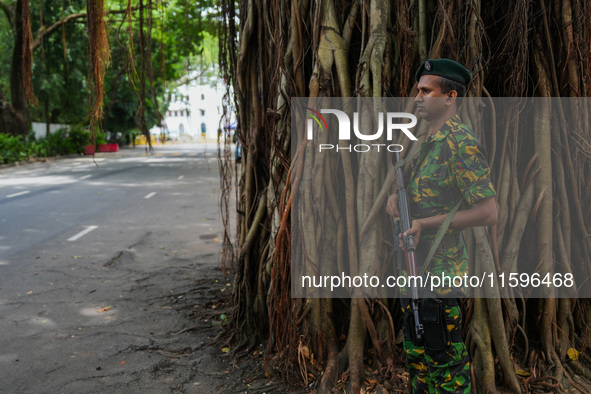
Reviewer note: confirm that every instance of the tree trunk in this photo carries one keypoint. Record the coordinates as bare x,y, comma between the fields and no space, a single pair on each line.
371,48
14,115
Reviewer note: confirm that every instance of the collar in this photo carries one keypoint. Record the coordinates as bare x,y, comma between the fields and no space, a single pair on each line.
444,131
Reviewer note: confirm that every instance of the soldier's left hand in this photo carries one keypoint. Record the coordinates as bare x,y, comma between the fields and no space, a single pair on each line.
415,229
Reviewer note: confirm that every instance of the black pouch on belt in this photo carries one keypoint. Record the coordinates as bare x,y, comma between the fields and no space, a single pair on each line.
409,325
434,324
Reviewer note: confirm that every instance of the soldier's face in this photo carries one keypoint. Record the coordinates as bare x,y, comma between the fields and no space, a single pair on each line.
430,102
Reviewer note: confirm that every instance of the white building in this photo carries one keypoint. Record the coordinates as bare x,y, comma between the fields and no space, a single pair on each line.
195,110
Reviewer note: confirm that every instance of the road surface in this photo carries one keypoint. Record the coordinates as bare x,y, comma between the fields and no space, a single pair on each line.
100,269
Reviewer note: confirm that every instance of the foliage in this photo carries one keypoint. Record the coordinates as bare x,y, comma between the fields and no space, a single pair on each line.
12,148
179,37
60,142
101,139
77,138
6,47
60,67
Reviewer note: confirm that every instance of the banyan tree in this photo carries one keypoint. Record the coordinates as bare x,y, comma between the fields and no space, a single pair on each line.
274,51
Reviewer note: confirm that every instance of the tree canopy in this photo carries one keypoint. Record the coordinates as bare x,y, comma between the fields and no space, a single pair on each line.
152,44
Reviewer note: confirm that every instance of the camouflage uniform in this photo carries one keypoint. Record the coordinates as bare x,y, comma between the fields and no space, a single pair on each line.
451,166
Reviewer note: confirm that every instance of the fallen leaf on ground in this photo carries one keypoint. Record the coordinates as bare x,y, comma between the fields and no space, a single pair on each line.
105,309
573,353
521,372
305,351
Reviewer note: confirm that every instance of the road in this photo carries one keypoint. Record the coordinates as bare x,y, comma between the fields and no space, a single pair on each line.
44,203
90,259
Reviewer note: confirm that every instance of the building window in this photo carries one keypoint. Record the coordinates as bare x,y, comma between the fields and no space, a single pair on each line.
176,113
202,96
188,113
202,112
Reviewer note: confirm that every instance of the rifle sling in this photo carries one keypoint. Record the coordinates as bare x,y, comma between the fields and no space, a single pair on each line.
439,236
402,162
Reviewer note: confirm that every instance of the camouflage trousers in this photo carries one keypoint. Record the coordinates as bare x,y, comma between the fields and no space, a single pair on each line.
441,364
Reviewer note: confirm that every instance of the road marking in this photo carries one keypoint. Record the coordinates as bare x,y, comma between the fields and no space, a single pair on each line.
82,233
85,177
181,177
18,194
150,195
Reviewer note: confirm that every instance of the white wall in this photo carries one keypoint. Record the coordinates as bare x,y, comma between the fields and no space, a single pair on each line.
41,131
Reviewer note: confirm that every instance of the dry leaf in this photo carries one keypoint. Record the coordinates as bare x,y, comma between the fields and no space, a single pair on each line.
521,372
306,351
573,353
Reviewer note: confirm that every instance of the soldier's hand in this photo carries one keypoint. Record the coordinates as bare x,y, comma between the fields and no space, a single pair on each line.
392,205
415,229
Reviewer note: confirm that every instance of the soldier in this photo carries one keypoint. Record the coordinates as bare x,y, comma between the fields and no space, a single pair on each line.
451,167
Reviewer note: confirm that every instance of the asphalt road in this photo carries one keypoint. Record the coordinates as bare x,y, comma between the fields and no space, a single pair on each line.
83,250
52,202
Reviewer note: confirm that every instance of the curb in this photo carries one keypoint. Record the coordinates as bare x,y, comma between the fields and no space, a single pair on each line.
37,160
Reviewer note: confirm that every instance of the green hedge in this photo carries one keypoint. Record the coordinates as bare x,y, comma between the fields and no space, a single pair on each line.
61,142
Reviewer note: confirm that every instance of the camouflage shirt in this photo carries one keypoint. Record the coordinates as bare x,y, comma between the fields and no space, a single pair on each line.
451,166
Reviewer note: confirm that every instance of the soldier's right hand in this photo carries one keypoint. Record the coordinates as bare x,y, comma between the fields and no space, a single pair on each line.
392,205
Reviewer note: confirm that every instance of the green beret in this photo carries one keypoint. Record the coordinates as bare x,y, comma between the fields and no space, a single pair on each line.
444,68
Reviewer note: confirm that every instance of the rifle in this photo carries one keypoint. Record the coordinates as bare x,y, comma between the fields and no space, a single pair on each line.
400,226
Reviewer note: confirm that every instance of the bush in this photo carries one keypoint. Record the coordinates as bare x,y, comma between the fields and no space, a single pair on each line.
101,139
78,137
12,149
39,148
58,145
61,142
